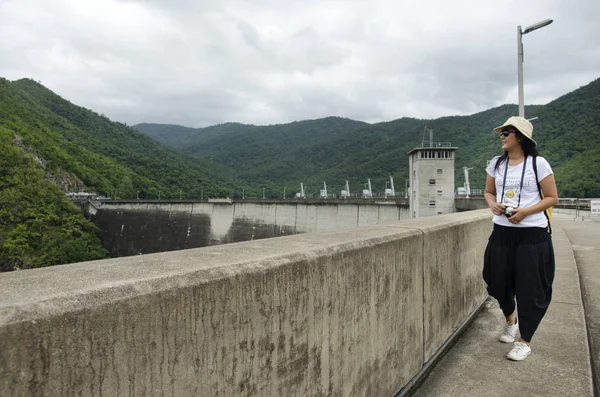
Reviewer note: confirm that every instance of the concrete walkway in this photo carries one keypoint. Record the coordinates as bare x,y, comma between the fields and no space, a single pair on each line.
585,238
559,364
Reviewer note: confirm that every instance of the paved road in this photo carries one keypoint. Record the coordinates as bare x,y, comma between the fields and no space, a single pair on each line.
560,362
585,240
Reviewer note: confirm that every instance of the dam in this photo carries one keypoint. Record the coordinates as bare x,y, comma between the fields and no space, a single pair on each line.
133,227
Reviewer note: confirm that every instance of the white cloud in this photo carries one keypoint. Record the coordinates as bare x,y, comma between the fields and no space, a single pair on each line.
272,61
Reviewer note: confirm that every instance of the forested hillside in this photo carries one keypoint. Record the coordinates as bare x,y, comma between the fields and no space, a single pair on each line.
334,149
39,225
49,146
96,153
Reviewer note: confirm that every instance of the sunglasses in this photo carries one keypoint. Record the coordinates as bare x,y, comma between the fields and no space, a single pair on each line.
506,132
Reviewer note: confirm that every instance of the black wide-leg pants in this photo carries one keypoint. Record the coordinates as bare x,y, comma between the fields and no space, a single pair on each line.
519,263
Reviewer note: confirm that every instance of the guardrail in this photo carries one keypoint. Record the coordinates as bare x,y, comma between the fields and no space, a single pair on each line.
434,145
583,204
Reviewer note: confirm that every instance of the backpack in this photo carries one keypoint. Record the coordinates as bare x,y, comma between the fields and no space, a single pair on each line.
547,212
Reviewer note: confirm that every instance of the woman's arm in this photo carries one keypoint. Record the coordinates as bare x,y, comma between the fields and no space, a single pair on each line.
490,195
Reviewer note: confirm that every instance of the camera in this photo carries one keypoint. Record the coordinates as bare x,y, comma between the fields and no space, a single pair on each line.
508,212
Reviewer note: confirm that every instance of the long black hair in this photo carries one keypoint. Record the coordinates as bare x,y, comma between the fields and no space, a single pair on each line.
529,148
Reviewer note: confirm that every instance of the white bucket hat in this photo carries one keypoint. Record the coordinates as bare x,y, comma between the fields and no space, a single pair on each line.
521,124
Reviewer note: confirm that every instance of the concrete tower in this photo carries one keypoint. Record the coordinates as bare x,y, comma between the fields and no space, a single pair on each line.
431,168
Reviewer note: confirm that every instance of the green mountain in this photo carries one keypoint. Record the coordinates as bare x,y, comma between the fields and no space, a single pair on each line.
178,137
39,226
334,149
96,153
49,146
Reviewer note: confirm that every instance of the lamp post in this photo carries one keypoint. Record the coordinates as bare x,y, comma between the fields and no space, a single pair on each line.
284,192
406,188
263,193
467,186
243,194
520,34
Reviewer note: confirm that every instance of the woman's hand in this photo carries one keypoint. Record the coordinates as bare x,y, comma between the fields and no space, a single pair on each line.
498,208
518,214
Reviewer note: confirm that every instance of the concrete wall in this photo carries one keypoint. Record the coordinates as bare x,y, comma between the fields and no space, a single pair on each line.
474,202
131,228
338,313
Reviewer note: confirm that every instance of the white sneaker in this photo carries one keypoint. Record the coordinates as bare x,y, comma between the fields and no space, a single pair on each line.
510,333
519,352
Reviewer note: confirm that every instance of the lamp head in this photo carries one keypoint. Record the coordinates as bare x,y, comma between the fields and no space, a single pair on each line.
537,26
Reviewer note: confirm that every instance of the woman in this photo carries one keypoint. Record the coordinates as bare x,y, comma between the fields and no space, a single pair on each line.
519,258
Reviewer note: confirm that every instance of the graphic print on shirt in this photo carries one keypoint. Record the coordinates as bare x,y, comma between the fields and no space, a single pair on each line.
512,188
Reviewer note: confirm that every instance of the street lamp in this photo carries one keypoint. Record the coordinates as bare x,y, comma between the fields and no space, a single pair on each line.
284,192
263,193
467,186
520,34
406,188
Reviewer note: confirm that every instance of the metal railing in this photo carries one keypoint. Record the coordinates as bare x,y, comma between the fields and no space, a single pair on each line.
583,204
435,145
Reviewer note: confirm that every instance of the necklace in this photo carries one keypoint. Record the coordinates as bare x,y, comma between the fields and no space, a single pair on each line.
520,186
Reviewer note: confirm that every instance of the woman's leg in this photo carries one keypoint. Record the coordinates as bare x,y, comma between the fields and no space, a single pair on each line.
534,271
498,274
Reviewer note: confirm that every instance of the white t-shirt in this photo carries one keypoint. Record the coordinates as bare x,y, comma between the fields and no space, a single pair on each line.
529,195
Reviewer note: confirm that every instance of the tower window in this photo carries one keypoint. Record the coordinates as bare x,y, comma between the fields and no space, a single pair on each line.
432,182
440,171
432,203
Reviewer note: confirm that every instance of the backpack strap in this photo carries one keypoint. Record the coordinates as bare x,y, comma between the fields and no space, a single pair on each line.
540,190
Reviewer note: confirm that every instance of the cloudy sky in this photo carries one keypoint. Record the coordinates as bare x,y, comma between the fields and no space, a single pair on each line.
205,62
